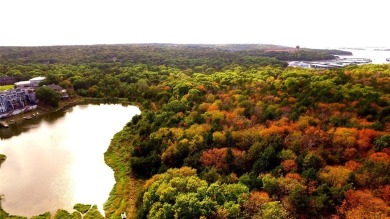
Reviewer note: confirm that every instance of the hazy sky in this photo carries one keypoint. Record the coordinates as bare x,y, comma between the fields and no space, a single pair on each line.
308,23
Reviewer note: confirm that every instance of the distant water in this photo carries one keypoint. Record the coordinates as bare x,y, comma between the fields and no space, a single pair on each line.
376,55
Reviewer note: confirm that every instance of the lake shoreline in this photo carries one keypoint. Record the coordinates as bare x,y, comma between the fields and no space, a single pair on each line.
127,188
64,106
40,111
43,109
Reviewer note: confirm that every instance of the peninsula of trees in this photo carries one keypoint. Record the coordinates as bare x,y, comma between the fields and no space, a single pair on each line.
231,131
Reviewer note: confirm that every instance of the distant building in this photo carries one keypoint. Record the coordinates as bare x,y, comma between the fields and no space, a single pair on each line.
35,81
299,64
59,89
7,80
55,87
22,84
16,99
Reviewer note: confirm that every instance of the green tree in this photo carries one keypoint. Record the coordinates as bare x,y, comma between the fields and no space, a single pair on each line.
175,106
270,184
50,79
179,193
2,158
48,96
93,213
62,214
273,210
382,142
45,215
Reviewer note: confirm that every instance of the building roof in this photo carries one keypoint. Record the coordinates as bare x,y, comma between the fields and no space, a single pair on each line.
38,78
55,87
22,83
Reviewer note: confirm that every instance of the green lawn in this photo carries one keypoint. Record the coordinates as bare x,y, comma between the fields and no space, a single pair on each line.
6,87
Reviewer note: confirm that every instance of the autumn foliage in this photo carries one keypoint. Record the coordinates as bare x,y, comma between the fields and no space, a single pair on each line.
220,124
307,143
290,142
362,204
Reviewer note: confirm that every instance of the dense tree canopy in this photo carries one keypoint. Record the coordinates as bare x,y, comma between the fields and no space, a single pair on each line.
227,134
48,96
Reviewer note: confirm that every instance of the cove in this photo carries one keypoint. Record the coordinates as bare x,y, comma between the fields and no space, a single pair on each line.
56,161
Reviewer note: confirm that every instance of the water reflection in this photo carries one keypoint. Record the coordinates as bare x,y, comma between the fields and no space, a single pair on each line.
26,125
58,161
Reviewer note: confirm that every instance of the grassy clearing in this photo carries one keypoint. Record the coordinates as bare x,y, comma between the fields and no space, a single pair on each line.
6,87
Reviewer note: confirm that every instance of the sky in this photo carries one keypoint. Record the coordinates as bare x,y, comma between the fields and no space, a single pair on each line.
307,23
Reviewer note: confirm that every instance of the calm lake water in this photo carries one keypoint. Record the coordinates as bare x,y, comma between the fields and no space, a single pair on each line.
57,161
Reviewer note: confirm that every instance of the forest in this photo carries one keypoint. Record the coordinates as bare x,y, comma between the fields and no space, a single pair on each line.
175,55
231,132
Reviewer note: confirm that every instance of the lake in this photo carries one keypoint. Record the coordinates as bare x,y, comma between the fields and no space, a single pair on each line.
56,161
377,56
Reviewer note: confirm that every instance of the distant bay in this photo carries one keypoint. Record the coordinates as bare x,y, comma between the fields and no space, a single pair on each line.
377,55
